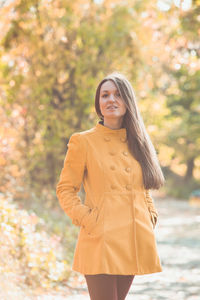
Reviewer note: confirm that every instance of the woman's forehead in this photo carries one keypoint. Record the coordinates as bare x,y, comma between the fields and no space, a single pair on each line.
108,86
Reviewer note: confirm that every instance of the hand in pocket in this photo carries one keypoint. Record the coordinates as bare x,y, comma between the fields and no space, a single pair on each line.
90,221
153,219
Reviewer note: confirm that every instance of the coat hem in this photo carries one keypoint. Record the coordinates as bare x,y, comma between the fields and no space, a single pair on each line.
114,273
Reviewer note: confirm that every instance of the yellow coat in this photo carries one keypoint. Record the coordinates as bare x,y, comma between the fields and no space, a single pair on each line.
117,217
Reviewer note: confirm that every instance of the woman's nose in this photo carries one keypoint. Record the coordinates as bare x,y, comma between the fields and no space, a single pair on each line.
111,98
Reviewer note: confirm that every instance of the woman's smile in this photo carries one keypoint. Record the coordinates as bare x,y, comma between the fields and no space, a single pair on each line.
112,107
111,104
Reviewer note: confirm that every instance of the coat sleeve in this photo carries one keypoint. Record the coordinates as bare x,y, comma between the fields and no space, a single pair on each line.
151,207
70,182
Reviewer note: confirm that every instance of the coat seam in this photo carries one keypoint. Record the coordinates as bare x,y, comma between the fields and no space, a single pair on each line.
104,239
135,238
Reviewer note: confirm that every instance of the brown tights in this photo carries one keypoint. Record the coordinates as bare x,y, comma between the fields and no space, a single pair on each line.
108,286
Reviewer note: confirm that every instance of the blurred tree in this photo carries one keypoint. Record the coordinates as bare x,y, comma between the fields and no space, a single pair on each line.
183,102
55,53
182,90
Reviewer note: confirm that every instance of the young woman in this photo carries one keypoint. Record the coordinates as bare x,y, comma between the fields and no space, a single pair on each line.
118,165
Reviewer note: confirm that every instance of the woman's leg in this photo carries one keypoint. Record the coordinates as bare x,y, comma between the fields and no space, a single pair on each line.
123,285
102,286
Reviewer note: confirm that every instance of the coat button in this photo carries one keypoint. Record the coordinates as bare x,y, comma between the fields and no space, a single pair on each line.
128,187
128,169
106,138
125,153
112,167
113,186
123,139
112,153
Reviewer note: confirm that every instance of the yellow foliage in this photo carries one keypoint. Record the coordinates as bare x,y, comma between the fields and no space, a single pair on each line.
38,255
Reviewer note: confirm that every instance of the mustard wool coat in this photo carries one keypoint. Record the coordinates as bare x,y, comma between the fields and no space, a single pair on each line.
118,216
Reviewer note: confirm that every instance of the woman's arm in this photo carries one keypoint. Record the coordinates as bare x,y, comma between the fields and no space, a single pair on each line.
70,182
151,207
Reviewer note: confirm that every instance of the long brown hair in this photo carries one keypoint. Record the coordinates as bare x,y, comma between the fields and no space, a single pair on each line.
139,142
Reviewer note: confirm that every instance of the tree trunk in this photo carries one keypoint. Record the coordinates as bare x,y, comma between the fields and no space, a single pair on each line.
190,168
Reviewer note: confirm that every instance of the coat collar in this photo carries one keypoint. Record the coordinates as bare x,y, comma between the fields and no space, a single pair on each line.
111,132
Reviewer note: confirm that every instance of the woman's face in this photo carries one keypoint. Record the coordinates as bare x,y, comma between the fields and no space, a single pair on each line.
110,102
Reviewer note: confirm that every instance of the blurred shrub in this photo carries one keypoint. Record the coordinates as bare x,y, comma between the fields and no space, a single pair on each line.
35,254
179,189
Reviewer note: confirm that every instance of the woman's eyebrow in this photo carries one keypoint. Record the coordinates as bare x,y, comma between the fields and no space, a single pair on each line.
108,91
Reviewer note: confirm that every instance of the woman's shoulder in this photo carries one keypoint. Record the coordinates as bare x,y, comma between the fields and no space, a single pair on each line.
84,133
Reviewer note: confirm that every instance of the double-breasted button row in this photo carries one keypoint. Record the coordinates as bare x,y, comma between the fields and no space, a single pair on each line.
112,167
127,169
128,187
122,139
125,153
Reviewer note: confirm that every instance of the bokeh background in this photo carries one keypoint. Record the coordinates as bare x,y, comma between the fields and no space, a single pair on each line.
53,53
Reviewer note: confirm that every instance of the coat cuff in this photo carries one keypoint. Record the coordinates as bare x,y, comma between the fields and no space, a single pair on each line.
150,203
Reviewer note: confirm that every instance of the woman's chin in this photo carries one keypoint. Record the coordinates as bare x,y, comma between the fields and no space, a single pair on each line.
112,115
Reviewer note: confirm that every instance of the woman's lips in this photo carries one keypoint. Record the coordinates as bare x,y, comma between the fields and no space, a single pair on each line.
112,108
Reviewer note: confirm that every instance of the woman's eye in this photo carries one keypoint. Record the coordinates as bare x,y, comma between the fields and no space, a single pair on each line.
104,96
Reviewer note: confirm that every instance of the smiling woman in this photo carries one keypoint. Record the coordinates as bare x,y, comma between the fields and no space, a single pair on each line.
117,164
112,105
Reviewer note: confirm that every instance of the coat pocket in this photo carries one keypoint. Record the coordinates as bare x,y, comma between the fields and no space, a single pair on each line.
152,216
93,223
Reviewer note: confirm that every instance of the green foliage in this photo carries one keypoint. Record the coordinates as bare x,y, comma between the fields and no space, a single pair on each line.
184,108
190,23
179,188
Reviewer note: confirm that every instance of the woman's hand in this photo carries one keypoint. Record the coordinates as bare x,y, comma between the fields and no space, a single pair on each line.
154,219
